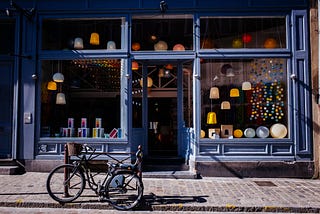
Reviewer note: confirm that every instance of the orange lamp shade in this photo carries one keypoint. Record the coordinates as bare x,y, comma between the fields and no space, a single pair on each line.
270,43
135,46
52,86
135,66
237,133
234,92
178,47
94,39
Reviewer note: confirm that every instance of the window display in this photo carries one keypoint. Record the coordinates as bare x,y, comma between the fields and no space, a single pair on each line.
7,36
162,33
85,101
78,34
244,98
242,32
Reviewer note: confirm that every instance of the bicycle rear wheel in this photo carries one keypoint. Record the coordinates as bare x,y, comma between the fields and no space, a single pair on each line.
124,190
65,183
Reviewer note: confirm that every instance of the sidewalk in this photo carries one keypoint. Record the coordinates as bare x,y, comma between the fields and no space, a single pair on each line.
206,194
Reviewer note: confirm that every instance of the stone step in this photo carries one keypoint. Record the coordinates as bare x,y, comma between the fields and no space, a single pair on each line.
9,170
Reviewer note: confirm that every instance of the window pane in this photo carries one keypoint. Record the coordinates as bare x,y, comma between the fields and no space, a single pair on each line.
187,94
91,90
7,36
244,98
163,32
243,32
81,34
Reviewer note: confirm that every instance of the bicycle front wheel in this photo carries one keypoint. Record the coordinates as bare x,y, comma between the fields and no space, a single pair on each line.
124,190
65,183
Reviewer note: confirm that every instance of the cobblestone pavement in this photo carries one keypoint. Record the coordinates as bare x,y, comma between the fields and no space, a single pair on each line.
188,195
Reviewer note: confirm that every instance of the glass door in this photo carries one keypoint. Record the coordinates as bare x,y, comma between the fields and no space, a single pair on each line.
6,108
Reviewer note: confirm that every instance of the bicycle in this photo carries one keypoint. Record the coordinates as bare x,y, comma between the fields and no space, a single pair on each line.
121,183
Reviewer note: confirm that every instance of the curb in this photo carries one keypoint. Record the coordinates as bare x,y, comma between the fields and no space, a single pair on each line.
177,207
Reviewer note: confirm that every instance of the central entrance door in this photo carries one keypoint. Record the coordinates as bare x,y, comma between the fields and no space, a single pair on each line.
162,133
161,107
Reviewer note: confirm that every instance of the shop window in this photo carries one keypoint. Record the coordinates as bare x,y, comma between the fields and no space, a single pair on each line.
245,98
162,33
7,37
243,32
78,34
81,98
187,94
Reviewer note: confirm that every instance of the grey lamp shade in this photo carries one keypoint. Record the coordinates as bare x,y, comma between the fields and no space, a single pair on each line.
58,77
61,99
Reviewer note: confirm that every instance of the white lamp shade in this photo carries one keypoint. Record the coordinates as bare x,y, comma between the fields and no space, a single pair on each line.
78,43
111,45
229,72
246,86
58,77
61,99
225,105
161,46
214,93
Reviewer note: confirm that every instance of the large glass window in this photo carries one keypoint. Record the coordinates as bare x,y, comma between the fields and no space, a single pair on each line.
80,34
7,37
243,32
244,98
81,98
162,33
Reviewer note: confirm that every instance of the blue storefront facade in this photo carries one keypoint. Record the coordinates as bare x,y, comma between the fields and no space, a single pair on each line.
224,86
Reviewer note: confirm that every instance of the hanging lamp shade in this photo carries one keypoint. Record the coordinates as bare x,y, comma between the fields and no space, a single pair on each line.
178,47
229,72
134,66
135,46
211,118
225,105
234,92
78,43
161,46
246,86
214,93
52,86
111,45
149,82
61,99
58,77
94,39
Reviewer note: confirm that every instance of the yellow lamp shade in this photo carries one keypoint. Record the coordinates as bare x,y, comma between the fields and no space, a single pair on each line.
52,86
234,92
214,93
237,133
211,118
149,82
225,105
61,99
94,39
270,43
202,134
135,66
237,43
246,86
